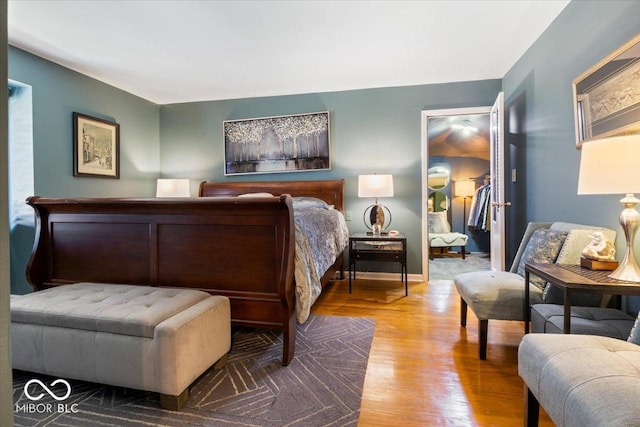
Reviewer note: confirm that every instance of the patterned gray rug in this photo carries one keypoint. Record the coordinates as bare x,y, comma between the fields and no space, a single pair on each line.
321,387
448,268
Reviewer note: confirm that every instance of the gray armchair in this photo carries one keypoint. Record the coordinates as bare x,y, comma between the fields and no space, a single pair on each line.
499,295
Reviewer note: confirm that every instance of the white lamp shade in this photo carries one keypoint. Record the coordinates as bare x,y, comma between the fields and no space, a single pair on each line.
172,188
610,166
375,186
465,188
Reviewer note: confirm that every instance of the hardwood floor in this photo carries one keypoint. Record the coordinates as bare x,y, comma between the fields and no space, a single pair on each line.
423,367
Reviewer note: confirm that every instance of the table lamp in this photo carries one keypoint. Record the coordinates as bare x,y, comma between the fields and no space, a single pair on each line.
464,189
172,188
376,186
610,166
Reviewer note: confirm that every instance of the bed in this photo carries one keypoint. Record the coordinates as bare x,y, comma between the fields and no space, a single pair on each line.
199,243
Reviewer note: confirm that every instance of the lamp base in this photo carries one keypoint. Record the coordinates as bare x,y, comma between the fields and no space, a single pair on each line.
375,214
628,271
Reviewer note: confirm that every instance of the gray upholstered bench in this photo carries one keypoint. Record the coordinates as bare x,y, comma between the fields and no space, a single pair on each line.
447,240
141,337
606,322
581,380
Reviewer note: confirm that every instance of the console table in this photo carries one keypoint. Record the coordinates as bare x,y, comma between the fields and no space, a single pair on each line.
573,278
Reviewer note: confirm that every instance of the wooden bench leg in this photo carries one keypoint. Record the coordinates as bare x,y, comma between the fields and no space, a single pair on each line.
531,408
483,326
463,313
462,251
222,362
174,403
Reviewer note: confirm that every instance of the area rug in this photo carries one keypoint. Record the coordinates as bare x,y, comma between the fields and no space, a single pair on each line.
322,386
448,268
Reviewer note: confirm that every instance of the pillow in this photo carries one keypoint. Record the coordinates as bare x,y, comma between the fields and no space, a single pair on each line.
437,222
256,195
634,335
304,202
543,246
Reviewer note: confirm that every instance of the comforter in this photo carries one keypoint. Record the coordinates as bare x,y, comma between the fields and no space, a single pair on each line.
321,236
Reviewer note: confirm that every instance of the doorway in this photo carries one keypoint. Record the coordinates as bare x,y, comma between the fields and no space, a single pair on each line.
456,172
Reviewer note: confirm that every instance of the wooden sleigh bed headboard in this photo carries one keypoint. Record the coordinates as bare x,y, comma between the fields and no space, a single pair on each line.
332,192
242,248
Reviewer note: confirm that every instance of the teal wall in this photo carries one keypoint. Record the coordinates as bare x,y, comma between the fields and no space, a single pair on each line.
539,108
539,86
57,93
372,131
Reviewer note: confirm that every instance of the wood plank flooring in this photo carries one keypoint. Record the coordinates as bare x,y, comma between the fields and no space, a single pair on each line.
423,367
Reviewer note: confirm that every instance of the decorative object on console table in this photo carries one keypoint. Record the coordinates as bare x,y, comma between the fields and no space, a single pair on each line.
376,186
96,147
610,166
277,144
599,254
172,188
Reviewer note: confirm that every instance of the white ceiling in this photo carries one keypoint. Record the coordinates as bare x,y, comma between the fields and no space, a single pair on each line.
182,51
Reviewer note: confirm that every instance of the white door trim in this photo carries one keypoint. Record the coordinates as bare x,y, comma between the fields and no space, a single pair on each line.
425,165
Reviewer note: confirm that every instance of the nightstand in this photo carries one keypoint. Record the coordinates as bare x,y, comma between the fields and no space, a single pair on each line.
378,248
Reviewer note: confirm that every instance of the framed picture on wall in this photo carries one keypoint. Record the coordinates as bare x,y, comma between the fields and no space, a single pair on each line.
96,147
607,96
293,143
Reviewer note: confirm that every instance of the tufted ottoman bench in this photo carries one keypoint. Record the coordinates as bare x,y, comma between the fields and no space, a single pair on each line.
141,337
581,380
606,322
446,240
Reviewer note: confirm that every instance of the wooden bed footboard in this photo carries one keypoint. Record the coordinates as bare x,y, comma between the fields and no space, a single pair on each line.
242,248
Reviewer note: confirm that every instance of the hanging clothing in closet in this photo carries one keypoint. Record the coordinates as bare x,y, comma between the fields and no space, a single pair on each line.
479,213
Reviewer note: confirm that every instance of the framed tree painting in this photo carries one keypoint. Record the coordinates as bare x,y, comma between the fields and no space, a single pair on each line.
96,147
293,143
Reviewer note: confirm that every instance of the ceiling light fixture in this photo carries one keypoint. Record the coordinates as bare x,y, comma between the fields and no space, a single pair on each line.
465,128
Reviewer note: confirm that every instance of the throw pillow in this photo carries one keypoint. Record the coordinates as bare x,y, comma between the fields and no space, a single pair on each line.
310,202
634,335
438,222
543,247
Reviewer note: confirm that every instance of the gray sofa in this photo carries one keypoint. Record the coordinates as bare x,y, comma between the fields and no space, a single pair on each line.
499,295
581,380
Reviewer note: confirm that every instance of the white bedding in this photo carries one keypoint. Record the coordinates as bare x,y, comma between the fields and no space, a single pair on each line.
321,236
